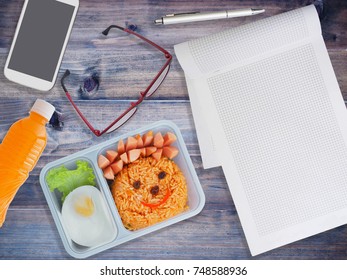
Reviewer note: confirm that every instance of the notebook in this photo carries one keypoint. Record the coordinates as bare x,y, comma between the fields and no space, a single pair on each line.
268,109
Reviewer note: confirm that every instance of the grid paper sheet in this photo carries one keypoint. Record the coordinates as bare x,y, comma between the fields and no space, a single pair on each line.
278,124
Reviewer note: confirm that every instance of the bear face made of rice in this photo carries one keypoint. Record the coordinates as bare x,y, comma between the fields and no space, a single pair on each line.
148,191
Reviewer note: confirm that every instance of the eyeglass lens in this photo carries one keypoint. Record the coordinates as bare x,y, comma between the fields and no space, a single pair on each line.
122,120
158,82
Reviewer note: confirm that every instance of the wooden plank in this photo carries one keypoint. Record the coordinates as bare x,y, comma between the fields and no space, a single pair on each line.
181,241
116,86
190,239
126,12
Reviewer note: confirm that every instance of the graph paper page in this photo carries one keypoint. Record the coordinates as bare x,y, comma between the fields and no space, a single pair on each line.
232,47
278,122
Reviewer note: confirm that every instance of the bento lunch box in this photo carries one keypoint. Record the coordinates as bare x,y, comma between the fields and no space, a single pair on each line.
196,197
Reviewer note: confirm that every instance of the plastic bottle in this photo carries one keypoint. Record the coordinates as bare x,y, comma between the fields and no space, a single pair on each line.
20,150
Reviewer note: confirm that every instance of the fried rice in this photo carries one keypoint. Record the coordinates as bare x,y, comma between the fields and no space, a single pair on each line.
148,191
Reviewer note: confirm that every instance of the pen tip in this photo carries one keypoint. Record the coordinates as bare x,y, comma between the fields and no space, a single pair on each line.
158,21
257,11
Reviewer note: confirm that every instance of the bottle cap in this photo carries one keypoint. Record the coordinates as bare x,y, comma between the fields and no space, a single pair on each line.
43,108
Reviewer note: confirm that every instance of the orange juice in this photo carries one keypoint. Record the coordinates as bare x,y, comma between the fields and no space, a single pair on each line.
20,150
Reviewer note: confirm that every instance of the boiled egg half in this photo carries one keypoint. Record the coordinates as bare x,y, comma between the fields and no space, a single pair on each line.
86,218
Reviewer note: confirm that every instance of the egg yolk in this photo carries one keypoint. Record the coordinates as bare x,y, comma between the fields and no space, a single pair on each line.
84,206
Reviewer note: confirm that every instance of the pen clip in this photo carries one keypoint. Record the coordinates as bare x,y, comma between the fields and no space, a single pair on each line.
188,13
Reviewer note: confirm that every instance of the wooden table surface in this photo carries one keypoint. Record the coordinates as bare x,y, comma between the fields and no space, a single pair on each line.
29,231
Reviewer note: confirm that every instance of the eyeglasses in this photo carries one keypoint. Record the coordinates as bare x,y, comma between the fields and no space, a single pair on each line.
128,113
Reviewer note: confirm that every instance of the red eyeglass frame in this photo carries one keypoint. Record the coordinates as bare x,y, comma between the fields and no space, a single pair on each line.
143,94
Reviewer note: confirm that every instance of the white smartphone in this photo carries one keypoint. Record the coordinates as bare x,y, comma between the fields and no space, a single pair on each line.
39,42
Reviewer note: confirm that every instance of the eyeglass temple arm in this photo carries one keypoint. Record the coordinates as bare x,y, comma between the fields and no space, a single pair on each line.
107,30
66,74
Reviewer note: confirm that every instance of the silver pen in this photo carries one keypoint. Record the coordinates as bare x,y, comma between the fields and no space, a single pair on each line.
197,16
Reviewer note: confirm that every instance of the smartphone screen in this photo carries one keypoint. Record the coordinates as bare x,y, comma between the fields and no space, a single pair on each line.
41,38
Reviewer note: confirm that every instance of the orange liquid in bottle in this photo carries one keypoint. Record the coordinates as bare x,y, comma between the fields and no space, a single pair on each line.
19,152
